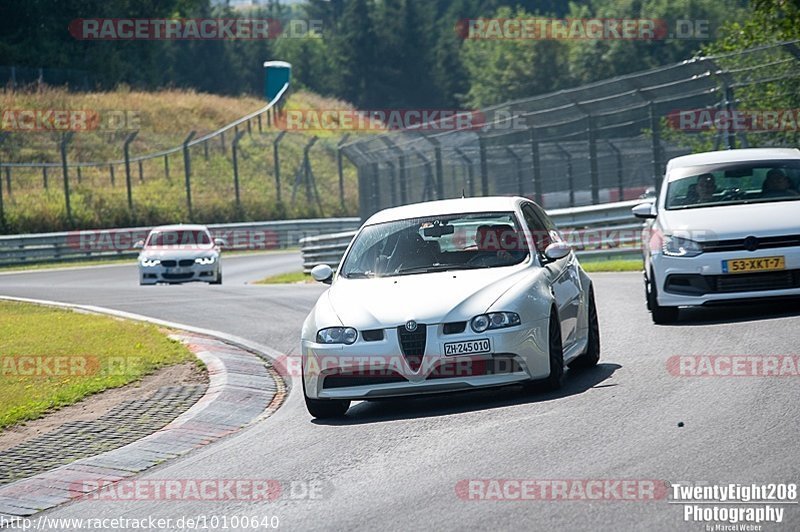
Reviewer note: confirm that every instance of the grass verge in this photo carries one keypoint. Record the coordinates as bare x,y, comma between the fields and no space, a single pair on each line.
286,278
618,265
51,358
593,266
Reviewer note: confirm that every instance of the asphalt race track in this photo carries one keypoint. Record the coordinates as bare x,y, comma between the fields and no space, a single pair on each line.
395,465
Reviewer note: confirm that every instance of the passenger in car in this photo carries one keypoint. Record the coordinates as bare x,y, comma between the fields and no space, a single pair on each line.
777,185
500,243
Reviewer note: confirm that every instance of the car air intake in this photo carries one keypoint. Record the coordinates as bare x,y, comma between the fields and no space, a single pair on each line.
454,327
374,335
412,344
751,282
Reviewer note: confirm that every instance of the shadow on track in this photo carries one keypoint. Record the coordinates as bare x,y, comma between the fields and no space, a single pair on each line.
784,308
378,411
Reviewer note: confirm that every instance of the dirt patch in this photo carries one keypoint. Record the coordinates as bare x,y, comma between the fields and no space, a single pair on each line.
96,405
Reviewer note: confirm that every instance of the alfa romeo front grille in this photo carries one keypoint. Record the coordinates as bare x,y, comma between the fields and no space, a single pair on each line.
412,343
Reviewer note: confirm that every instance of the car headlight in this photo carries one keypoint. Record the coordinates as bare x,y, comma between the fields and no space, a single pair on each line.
150,262
676,246
494,320
337,335
205,261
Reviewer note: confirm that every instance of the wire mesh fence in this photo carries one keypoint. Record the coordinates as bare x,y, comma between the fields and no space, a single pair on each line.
601,142
223,175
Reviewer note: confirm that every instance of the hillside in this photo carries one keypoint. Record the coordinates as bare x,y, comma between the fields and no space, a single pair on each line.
163,120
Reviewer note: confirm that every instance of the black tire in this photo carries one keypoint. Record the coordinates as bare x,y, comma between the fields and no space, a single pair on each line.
661,315
327,408
555,380
218,280
591,357
324,408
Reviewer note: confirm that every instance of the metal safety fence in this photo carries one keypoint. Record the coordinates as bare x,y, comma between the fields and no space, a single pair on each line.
602,142
119,243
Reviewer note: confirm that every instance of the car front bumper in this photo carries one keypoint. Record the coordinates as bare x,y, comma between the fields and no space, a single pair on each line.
187,274
700,280
370,370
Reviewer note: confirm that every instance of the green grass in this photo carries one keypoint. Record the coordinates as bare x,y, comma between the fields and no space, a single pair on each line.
614,265
284,278
95,353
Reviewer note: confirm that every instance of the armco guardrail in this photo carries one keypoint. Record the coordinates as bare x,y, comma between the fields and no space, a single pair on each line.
594,231
110,243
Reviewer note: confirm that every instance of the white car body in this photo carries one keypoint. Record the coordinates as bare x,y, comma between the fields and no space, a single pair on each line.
732,232
190,260
431,300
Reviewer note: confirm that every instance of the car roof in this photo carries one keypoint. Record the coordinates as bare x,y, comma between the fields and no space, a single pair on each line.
732,156
180,227
443,207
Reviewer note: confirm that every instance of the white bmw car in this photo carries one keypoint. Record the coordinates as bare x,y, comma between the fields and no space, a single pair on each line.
724,229
180,254
448,295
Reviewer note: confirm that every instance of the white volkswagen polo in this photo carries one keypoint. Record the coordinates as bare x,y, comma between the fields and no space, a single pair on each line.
448,295
725,228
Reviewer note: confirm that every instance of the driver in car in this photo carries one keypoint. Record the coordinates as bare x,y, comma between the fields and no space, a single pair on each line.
706,187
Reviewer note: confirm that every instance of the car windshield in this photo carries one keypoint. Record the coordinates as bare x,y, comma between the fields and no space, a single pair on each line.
734,184
180,238
439,243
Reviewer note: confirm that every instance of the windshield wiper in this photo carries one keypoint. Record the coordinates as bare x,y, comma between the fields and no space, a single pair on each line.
359,275
439,268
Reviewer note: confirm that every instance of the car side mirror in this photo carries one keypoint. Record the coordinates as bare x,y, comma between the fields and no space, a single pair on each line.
322,273
557,250
220,242
139,244
646,210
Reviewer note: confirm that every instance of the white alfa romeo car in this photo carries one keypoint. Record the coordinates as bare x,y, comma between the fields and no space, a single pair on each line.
180,254
448,295
724,229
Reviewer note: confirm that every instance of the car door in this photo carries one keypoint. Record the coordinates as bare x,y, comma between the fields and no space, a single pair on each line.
562,274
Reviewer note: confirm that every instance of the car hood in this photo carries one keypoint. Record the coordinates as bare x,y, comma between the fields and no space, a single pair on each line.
177,253
426,298
730,222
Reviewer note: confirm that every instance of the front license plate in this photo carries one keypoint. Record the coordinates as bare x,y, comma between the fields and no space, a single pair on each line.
468,347
764,264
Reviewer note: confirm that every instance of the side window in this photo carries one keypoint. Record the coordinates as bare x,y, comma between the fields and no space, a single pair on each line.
541,238
554,235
